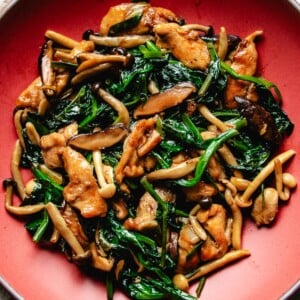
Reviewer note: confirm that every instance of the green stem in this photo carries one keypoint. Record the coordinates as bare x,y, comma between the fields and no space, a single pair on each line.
91,117
208,80
214,145
238,123
200,286
189,123
109,287
41,175
42,228
253,79
204,87
45,221
149,188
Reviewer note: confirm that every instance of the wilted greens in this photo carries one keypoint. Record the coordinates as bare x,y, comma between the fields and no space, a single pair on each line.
167,176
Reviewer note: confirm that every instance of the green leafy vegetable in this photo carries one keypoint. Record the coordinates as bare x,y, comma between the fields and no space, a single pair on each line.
283,123
85,108
214,144
46,190
257,80
150,50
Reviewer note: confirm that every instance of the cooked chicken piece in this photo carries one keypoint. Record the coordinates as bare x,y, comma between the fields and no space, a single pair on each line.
69,130
73,223
187,242
142,139
120,208
151,17
243,61
82,191
53,144
62,78
32,96
179,158
146,211
185,45
199,191
214,222
265,207
215,168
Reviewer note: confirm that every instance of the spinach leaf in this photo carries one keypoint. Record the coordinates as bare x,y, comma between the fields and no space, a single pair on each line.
150,50
251,155
165,151
282,121
171,71
150,64
131,86
46,190
85,108
150,287
32,153
215,81
182,129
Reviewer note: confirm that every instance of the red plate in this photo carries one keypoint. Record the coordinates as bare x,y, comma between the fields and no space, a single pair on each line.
274,265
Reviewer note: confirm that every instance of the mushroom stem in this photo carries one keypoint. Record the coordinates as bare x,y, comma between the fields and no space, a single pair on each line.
32,133
57,177
222,43
19,210
237,223
198,229
207,114
107,190
199,27
230,159
92,60
18,125
123,115
175,172
62,227
61,39
218,263
283,191
83,75
15,170
127,41
244,200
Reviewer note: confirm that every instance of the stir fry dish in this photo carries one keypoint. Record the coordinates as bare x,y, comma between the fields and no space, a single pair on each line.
150,141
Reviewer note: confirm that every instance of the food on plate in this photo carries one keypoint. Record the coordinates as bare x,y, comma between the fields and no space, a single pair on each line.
149,142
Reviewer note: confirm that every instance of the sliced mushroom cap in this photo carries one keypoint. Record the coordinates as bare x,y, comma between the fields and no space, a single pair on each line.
46,70
99,139
260,121
166,99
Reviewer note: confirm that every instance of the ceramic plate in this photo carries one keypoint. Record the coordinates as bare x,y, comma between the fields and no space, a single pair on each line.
274,264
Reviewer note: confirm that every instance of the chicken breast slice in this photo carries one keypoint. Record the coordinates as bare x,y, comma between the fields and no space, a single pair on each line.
82,191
